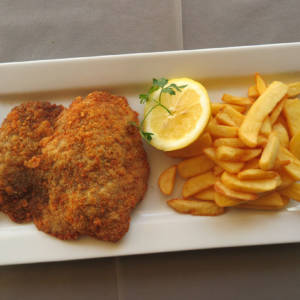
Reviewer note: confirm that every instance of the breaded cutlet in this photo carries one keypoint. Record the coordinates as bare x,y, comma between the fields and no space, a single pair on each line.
20,134
95,170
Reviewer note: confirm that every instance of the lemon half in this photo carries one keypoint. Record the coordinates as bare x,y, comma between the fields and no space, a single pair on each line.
189,112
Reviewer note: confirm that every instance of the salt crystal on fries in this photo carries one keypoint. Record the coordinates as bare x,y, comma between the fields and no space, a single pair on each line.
259,110
194,166
196,207
251,186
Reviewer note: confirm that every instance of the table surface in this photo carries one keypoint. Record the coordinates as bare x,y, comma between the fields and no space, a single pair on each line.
41,29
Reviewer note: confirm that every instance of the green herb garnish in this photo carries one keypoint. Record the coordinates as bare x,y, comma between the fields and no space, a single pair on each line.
157,84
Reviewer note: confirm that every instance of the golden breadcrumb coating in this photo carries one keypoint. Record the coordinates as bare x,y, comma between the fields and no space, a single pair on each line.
20,135
94,168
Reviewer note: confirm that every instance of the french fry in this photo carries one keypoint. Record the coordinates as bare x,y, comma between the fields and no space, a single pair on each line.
234,115
231,142
223,189
196,207
293,168
292,191
266,127
269,155
231,167
252,164
194,166
166,180
218,130
227,153
255,162
253,92
238,108
262,141
291,112
294,89
260,84
224,119
259,110
198,183
281,133
271,201
280,163
195,149
225,201
281,119
277,110
286,179
216,107
256,174
207,194
251,186
285,199
295,144
218,170
236,100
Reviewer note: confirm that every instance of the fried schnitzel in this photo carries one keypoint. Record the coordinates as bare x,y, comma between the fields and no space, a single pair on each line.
20,135
94,170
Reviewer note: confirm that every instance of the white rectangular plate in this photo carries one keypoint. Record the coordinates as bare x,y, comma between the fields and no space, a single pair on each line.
154,227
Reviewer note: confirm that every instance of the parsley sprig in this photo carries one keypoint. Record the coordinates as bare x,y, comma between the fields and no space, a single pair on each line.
157,84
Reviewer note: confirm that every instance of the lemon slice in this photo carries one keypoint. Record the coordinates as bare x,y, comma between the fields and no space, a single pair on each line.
189,112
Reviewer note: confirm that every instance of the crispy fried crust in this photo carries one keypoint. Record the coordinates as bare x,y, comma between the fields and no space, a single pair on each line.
20,135
95,170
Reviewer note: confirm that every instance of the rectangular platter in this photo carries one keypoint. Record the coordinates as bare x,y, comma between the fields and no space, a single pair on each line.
154,226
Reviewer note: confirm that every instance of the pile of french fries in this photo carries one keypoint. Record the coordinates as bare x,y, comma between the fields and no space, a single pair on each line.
248,156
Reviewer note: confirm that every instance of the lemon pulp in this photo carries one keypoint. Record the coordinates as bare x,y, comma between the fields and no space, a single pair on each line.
186,118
